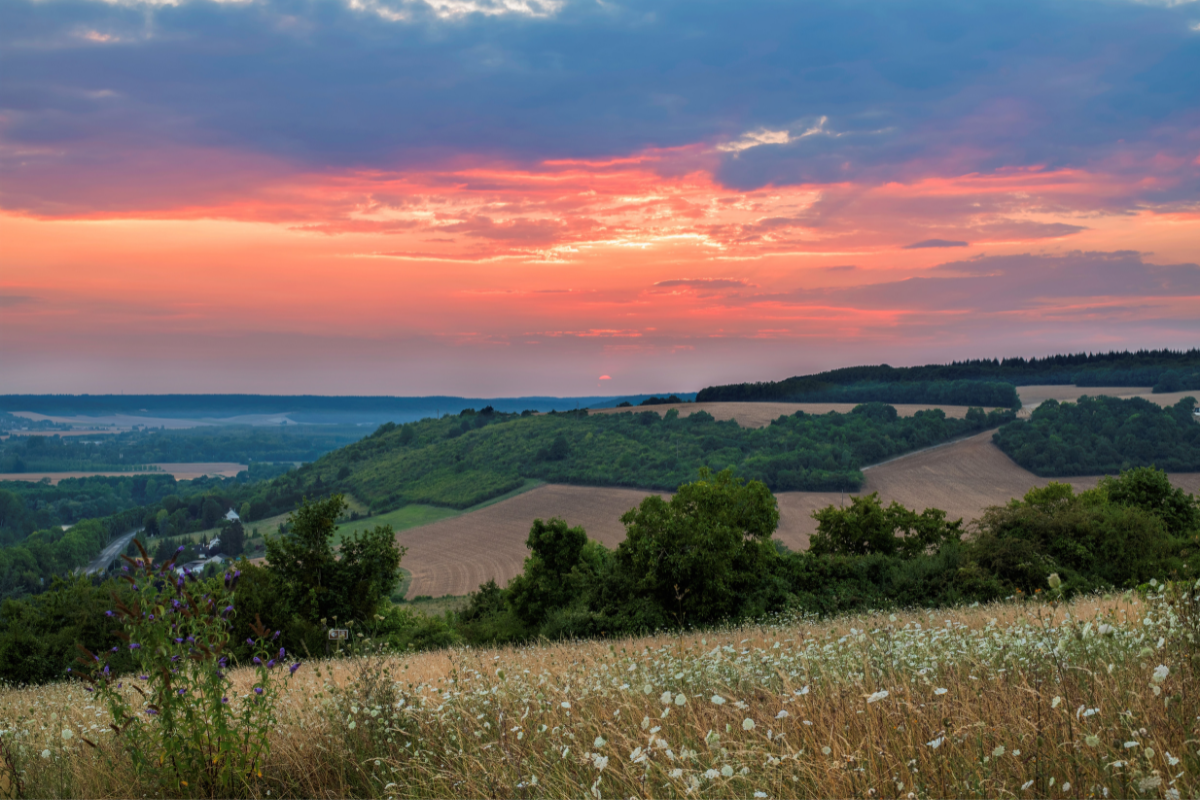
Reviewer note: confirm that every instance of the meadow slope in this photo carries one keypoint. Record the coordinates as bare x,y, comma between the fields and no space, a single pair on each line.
1008,700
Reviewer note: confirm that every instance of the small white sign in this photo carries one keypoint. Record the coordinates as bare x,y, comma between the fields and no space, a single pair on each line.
339,633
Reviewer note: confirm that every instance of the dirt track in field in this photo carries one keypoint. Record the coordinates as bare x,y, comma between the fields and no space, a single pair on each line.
760,415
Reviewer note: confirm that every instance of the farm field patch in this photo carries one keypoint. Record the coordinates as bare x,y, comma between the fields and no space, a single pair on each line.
1034,396
181,472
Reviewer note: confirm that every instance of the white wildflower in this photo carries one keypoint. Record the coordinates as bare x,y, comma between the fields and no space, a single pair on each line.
68,734
600,742
940,691
747,724
565,704
782,714
1160,673
665,698
1056,702
45,754
599,762
880,695
825,750
936,743
999,751
680,699
712,774
1130,745
727,771
717,700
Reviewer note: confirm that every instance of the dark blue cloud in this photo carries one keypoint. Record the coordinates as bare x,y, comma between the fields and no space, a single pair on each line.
899,85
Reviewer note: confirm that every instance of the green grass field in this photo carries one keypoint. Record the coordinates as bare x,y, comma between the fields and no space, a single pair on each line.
416,514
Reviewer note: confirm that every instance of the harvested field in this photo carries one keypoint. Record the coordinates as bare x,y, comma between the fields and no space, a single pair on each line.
759,415
454,556
1034,396
182,472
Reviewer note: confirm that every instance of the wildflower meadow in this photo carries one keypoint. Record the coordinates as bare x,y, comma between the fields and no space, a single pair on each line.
1037,698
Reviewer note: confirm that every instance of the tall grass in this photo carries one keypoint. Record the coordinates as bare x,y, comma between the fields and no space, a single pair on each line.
1094,698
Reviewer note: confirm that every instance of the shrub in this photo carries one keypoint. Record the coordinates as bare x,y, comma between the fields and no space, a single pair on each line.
179,726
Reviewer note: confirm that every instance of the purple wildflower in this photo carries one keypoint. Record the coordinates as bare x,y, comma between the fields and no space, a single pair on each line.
224,699
134,646
271,664
257,660
294,667
250,642
258,690
282,652
108,613
151,711
182,692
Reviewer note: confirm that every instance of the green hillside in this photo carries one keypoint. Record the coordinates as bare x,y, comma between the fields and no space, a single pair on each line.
464,460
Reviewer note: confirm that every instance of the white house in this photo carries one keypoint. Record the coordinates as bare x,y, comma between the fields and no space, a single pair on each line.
232,515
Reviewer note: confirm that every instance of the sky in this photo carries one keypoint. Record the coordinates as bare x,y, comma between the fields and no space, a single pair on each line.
580,197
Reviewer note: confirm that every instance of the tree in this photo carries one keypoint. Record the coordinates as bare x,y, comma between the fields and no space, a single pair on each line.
554,552
233,540
704,553
314,582
1150,490
867,528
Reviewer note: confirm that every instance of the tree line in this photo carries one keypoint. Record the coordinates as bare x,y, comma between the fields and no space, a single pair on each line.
1103,435
1156,368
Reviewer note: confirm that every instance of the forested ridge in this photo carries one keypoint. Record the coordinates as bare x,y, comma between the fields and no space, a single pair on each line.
460,461
1164,370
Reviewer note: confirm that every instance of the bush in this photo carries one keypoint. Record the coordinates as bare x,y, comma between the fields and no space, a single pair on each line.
183,732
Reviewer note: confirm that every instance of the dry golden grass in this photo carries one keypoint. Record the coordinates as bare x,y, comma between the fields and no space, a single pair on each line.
1014,700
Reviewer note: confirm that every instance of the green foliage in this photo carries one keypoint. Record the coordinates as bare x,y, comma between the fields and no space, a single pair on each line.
554,552
314,583
1104,435
866,528
38,635
700,553
1151,490
1090,544
187,731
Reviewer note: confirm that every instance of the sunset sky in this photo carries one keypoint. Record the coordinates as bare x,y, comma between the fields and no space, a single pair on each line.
513,197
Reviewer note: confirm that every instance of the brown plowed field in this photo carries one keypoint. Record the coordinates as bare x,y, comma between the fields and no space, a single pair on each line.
454,556
760,415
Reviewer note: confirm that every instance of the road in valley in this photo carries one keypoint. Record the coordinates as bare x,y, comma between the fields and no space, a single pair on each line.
111,553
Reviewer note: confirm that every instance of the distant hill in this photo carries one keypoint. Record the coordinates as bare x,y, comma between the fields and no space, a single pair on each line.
962,382
319,409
